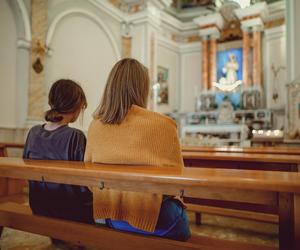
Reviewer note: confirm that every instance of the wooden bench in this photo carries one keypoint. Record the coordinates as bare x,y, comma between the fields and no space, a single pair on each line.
253,150
10,186
201,157
252,161
277,189
239,158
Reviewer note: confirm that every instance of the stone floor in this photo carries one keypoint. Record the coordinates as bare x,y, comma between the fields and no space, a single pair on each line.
213,226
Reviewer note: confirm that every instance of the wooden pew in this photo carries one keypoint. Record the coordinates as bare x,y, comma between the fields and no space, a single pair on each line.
280,190
281,163
3,181
253,159
10,186
235,149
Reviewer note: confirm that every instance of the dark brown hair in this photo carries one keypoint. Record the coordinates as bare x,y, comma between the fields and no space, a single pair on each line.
65,97
127,84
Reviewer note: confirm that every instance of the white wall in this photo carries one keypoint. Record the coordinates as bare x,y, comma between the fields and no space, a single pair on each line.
169,59
275,54
8,56
138,48
81,51
190,77
293,39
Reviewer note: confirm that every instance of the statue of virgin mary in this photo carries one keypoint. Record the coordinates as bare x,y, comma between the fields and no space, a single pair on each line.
230,69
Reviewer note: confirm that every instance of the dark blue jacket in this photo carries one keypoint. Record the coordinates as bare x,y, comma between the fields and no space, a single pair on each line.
69,202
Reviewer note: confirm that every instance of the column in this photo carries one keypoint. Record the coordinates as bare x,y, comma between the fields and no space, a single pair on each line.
257,64
210,26
126,47
126,40
246,57
204,63
293,39
36,88
212,62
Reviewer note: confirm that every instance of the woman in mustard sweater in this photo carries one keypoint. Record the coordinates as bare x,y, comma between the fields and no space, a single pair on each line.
125,132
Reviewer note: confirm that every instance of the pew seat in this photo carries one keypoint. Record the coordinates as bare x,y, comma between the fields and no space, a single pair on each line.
19,217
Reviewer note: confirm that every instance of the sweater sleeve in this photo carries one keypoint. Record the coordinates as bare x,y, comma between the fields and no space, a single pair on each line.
175,147
168,142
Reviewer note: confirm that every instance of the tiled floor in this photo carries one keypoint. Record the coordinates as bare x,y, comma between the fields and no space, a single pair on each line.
214,226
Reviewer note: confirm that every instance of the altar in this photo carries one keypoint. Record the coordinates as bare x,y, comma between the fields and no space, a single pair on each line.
231,106
225,134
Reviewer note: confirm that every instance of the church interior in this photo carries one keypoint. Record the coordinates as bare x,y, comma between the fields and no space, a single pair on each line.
226,71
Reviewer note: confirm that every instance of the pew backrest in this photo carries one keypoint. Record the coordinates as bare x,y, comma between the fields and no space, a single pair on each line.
249,150
271,188
152,178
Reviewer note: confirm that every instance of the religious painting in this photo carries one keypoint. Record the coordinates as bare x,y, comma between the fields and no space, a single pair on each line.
230,66
163,81
208,102
251,99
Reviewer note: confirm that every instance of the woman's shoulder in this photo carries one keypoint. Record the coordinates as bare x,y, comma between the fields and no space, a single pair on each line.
153,116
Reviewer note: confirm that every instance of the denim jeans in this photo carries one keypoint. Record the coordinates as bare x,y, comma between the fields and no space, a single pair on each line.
172,222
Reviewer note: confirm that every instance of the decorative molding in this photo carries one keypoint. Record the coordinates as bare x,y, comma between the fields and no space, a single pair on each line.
253,16
275,33
256,10
161,4
109,9
276,11
215,19
230,45
23,44
168,44
210,25
96,19
150,15
190,48
211,32
126,30
26,21
177,24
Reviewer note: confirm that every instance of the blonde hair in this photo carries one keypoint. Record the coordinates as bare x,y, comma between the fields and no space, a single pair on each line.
127,84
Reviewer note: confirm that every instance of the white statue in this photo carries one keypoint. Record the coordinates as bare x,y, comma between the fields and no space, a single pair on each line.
229,82
226,113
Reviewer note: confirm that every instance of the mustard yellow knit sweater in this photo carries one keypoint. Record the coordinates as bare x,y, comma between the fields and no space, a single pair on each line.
143,138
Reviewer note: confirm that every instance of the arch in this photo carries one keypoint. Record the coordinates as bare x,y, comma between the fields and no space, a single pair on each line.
26,20
93,17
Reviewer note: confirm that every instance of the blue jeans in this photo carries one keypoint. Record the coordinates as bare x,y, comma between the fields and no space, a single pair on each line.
172,222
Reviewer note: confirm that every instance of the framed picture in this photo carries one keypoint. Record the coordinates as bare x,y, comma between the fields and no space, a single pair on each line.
230,64
208,102
163,81
251,99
